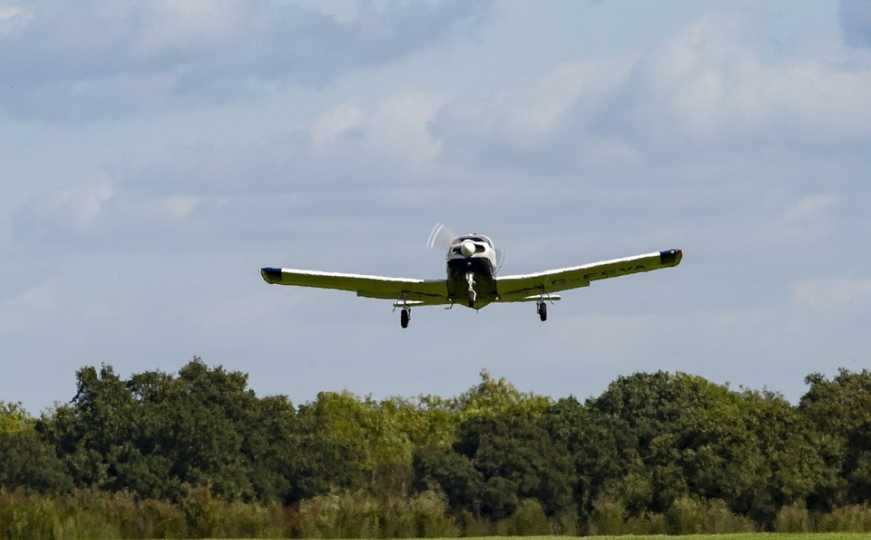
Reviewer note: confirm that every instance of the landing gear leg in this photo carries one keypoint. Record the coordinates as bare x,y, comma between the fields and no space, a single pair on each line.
404,317
473,296
542,310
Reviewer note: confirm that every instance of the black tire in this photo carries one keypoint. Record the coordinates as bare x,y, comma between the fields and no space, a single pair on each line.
542,312
404,318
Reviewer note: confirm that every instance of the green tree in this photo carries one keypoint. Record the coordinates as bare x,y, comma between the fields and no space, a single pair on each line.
691,437
601,449
27,461
514,453
13,418
492,397
155,434
362,441
442,469
840,409
792,455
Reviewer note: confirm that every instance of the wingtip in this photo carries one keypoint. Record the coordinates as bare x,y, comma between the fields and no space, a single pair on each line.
671,257
271,275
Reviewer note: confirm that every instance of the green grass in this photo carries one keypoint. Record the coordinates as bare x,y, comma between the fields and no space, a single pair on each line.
741,536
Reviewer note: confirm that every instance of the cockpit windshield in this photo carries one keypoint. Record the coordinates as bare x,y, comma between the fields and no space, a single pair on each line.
474,238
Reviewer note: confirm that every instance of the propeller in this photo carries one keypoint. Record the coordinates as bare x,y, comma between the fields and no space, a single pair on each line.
500,259
440,237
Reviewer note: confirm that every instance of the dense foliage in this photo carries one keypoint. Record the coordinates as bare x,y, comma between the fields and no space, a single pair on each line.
199,453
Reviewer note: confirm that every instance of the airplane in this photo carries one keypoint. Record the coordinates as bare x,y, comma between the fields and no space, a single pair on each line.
473,279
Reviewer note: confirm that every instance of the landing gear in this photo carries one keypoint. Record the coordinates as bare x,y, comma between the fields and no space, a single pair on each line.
542,310
404,317
470,281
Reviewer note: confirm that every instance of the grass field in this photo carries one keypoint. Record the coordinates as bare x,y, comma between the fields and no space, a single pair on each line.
742,536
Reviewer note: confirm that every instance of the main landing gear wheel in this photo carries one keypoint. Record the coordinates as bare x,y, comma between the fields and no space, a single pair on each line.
404,317
542,311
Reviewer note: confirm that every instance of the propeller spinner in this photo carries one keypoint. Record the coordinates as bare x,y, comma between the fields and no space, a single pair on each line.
467,248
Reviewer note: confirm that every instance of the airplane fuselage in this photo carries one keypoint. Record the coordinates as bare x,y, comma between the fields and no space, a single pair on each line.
471,267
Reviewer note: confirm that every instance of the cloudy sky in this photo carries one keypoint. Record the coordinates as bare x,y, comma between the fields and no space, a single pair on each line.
156,154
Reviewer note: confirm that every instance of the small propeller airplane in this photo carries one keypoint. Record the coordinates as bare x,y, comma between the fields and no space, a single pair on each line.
473,264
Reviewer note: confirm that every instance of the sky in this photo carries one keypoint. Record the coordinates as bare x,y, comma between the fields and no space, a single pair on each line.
155,155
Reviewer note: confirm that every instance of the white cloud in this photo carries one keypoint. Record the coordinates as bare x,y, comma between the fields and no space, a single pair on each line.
335,123
528,116
76,208
13,17
179,206
811,209
174,24
34,303
712,85
711,80
831,294
74,54
808,219
260,182
397,128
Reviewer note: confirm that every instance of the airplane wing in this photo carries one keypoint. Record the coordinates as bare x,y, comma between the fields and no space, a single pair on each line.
521,287
422,292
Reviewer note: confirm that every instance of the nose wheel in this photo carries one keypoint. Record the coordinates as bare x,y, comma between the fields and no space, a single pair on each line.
404,317
542,311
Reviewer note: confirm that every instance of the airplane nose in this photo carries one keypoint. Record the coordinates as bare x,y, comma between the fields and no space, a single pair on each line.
468,248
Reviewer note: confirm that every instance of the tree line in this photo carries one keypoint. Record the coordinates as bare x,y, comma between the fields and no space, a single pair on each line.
199,453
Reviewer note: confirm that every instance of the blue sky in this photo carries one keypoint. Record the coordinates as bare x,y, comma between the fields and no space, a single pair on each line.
157,154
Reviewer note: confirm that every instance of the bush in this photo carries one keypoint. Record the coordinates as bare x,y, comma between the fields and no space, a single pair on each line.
856,518
608,517
358,515
35,517
566,524
431,516
338,516
646,523
718,519
396,521
684,516
156,519
23,517
527,520
691,516
794,519
474,526
93,514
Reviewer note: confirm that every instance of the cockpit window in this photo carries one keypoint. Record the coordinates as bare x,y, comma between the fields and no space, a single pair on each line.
474,239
